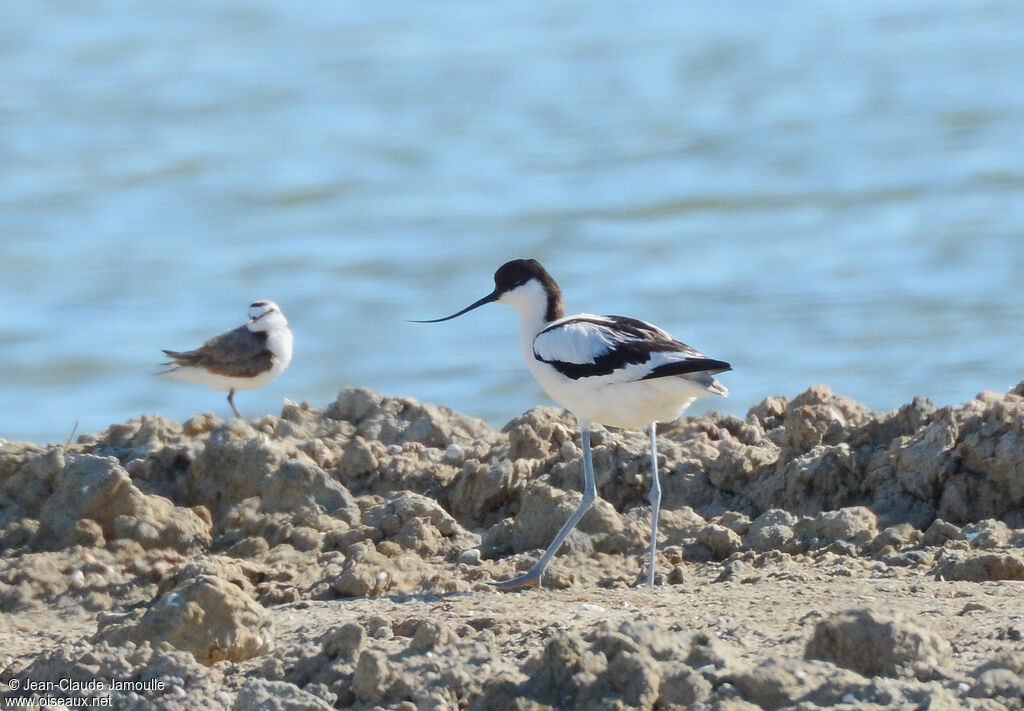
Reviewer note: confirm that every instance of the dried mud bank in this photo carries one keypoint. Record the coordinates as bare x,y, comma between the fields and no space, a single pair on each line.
812,554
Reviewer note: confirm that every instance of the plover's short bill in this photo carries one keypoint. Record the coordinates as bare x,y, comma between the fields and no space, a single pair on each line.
244,358
609,370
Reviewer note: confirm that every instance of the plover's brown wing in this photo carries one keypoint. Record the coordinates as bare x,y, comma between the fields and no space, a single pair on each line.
239,353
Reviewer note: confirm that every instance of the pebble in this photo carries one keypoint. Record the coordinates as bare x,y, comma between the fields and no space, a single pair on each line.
454,453
470,557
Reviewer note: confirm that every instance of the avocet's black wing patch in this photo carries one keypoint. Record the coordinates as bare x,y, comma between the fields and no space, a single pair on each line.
593,346
688,366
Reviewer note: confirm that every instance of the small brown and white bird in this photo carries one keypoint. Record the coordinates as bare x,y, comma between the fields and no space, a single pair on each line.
243,358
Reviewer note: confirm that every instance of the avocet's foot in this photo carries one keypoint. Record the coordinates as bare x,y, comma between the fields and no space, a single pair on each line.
527,580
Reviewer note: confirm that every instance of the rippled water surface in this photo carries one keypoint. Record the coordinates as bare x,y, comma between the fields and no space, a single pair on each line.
815,192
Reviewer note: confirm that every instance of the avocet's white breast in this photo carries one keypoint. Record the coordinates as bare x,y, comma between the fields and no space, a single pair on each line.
600,368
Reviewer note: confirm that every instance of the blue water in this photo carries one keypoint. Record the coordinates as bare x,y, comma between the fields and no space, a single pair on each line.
816,192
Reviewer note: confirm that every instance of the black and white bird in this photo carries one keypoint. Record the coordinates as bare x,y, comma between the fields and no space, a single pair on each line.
243,358
608,370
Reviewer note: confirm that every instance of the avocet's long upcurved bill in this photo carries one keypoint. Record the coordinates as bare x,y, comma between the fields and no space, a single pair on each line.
493,296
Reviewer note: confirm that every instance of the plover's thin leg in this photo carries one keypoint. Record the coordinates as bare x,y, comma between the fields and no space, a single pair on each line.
532,576
655,498
231,401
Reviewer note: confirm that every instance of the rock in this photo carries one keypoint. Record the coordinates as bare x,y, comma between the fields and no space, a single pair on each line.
1005,659
544,509
358,460
539,433
773,530
364,572
27,478
734,521
210,618
98,491
17,534
373,676
470,556
775,683
732,704
818,416
396,420
142,435
684,689
721,541
923,462
857,525
822,478
263,695
885,429
431,635
675,525
497,541
982,567
706,650
895,538
217,566
876,643
159,670
734,570
418,524
345,641
739,466
629,666
568,672
989,446
988,534
941,531
996,683
231,470
483,491
87,533
769,413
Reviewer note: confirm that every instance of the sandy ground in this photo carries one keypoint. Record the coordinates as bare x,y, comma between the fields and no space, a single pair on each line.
769,614
813,555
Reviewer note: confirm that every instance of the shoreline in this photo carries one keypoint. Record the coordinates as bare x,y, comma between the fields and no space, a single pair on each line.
357,541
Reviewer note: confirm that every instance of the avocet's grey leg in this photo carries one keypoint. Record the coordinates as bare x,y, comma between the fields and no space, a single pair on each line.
231,401
655,498
532,576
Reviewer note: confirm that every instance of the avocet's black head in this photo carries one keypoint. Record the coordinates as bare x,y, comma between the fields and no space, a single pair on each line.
519,283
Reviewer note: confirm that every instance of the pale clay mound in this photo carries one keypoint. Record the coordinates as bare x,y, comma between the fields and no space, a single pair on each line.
812,555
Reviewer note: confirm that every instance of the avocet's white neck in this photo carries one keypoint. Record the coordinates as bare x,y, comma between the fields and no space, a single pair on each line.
531,301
